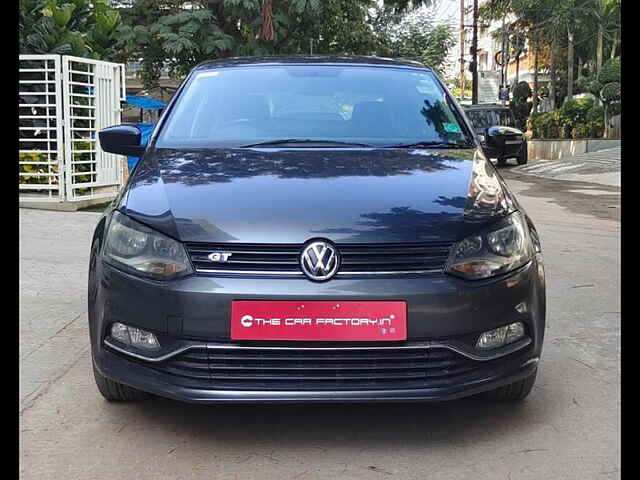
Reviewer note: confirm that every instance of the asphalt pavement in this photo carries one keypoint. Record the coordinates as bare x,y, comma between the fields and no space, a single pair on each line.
568,428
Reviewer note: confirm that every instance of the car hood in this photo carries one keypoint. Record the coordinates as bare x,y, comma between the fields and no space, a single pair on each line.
291,196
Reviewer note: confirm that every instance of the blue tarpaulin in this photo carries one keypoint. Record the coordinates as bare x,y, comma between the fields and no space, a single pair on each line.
145,103
146,129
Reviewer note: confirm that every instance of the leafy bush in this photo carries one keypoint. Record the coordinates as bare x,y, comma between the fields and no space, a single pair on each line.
520,106
576,109
582,85
35,166
547,125
611,92
578,118
610,71
580,131
522,91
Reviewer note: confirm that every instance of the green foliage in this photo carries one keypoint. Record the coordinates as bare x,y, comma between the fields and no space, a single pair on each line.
416,36
69,27
610,72
578,118
582,85
190,37
575,114
520,106
180,34
521,92
399,6
34,168
595,114
594,26
577,109
544,125
611,92
595,121
581,130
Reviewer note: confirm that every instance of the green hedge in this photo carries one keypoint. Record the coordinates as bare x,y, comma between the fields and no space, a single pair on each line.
578,118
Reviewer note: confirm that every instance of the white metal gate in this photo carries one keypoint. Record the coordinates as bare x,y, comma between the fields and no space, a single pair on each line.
40,139
87,98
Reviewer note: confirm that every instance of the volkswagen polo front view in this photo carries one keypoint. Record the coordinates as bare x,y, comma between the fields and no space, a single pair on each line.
313,229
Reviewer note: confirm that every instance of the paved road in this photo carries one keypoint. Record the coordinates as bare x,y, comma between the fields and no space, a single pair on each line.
568,428
601,167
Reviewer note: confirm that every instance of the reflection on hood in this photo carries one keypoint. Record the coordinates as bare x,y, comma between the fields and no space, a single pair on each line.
290,196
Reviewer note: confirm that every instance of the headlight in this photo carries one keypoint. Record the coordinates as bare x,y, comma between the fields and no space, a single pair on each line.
500,250
486,195
134,247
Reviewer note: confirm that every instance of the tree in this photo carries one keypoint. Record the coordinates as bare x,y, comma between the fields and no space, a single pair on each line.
179,34
413,36
72,27
531,17
520,106
610,95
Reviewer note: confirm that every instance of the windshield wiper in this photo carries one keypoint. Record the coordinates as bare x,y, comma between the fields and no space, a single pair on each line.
286,141
432,145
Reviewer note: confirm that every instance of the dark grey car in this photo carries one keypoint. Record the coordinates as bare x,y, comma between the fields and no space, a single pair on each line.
313,229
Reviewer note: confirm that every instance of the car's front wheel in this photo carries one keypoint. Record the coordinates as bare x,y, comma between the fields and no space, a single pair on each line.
114,391
523,157
111,390
515,391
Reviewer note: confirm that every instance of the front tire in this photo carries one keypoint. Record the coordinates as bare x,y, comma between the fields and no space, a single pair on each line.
514,392
524,156
502,162
114,391
110,390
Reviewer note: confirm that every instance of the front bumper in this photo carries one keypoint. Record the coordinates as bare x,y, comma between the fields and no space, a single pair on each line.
504,150
442,311
132,373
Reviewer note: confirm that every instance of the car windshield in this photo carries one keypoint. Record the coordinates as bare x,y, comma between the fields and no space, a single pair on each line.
377,106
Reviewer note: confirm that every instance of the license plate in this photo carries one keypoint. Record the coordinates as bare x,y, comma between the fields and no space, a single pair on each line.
318,320
512,142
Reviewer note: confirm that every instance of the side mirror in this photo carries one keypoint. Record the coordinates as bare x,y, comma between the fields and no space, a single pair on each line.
122,140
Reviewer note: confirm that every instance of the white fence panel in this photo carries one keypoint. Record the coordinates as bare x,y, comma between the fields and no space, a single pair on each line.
92,91
40,136
63,102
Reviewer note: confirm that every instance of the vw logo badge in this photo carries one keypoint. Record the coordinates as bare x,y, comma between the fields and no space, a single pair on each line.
320,260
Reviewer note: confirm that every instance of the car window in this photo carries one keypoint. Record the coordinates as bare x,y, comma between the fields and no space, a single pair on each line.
505,118
481,119
373,105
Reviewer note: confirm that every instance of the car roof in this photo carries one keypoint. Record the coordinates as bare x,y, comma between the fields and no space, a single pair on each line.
310,59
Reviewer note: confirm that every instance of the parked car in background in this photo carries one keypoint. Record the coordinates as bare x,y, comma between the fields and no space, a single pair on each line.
330,233
495,126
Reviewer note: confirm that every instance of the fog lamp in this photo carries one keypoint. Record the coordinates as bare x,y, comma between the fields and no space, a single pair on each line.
135,337
501,336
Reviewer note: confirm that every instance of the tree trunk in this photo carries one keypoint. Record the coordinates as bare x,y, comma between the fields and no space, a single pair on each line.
579,68
570,65
599,47
517,69
535,75
552,74
615,44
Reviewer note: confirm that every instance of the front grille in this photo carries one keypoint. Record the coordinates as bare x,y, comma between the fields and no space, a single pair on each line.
363,368
357,259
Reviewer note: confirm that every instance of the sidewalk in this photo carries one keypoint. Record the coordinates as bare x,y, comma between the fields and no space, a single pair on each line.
601,167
